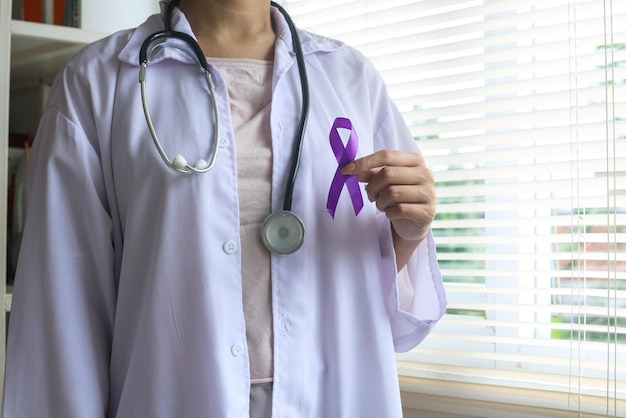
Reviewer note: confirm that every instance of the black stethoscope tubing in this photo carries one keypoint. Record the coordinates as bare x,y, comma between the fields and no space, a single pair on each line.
285,221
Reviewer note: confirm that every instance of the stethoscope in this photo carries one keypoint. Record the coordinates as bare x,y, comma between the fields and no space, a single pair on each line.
282,232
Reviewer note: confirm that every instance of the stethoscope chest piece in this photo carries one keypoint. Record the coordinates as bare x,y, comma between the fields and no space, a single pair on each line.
283,232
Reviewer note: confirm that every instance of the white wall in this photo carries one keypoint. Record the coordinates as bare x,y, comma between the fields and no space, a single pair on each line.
111,15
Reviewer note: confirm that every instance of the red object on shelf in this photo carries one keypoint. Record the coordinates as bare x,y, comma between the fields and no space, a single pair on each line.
33,10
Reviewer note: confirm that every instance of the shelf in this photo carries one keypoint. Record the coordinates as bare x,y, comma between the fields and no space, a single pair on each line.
39,51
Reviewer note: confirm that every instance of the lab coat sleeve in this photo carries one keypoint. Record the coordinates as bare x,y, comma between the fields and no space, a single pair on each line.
61,322
416,298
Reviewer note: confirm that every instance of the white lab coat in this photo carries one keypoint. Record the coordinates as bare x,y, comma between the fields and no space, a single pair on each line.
128,295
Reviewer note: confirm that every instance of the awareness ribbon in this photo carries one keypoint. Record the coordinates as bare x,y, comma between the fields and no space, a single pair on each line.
344,156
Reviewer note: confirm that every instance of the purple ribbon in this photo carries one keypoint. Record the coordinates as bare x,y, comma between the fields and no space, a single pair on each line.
344,156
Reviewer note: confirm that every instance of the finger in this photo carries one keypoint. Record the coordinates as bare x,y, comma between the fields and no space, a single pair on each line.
399,176
399,195
417,214
383,158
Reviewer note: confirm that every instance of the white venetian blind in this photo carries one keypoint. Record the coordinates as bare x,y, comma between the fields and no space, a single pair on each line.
520,109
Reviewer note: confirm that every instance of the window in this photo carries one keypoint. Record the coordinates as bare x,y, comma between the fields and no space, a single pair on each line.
520,109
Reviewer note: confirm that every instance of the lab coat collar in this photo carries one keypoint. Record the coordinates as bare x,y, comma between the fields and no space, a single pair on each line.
130,53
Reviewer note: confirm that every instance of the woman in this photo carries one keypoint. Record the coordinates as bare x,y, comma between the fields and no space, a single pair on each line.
148,293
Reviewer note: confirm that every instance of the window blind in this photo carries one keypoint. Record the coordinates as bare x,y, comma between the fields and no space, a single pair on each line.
520,110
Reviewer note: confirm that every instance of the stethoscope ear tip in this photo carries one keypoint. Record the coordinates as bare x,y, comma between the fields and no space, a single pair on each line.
179,162
201,164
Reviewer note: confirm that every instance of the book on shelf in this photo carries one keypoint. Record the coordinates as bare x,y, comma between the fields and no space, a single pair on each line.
17,12
54,12
71,14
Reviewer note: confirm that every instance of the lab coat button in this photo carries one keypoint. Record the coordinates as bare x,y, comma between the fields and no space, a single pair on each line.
237,350
230,247
224,142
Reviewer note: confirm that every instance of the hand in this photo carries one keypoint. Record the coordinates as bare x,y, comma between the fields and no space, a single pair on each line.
402,187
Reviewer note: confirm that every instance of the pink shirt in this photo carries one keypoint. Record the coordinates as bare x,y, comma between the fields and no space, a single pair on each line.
249,84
